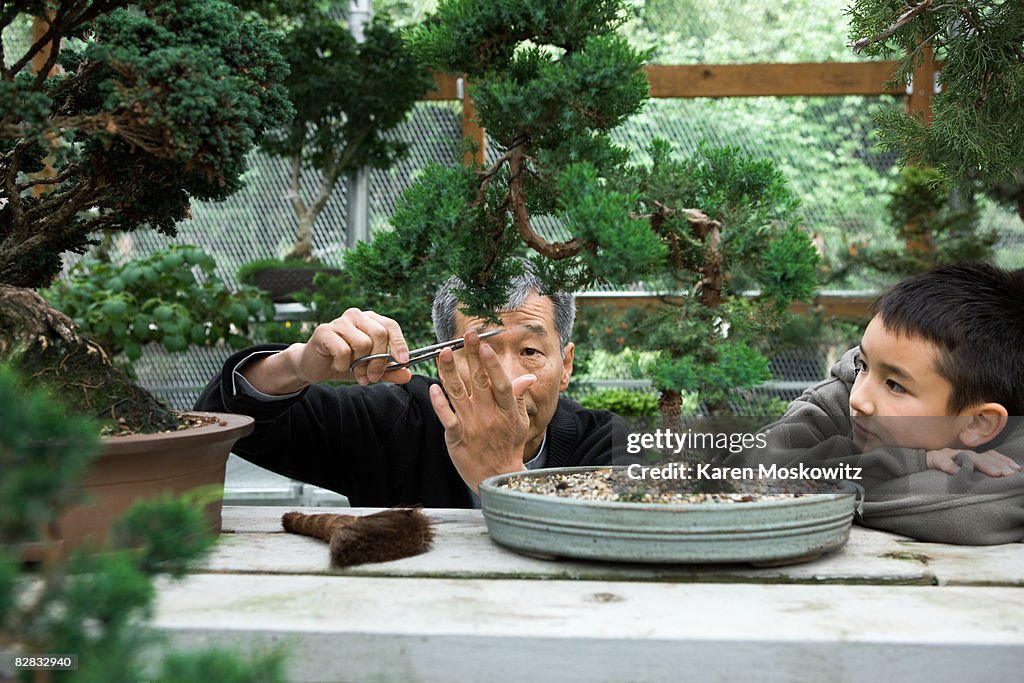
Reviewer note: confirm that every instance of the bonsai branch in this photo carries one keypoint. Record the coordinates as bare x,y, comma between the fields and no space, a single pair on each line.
64,175
487,176
295,196
901,21
521,216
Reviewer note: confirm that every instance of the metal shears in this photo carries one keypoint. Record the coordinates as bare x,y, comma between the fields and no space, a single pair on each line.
419,355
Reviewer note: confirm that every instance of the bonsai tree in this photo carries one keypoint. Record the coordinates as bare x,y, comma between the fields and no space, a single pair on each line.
347,96
92,604
153,104
975,134
548,90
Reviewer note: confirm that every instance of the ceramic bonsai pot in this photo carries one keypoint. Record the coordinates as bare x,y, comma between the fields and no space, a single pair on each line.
784,530
141,466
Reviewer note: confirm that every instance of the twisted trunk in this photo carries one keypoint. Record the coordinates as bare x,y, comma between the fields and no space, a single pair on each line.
45,347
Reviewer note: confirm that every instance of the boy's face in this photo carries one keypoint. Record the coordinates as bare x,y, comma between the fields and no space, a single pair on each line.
899,398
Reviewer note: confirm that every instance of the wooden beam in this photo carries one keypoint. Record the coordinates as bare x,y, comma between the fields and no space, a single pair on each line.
764,80
845,305
747,80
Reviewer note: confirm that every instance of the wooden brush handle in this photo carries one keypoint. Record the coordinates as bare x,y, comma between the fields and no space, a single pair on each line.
318,526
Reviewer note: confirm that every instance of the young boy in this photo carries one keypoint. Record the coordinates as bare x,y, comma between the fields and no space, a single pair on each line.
927,408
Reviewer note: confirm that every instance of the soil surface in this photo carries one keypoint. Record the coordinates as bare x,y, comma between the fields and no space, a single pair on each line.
618,486
188,421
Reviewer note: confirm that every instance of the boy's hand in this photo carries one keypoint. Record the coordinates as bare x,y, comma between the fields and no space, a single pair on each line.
992,463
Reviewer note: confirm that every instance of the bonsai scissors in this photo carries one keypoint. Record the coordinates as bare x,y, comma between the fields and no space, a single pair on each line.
419,355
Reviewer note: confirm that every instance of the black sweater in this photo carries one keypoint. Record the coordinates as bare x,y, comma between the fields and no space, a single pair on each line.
382,445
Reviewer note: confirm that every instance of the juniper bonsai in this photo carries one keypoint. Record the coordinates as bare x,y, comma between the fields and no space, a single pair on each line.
550,80
150,105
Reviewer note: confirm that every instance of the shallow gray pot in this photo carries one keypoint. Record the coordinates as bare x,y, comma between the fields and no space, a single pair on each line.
786,531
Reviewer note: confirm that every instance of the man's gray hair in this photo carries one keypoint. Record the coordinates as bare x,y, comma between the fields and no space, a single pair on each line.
446,303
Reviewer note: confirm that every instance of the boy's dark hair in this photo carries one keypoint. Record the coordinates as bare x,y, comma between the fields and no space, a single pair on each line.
974,314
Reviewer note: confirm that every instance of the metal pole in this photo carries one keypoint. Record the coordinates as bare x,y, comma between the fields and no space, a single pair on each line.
358,186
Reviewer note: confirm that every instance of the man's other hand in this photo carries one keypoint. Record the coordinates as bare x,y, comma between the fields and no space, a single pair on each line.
484,414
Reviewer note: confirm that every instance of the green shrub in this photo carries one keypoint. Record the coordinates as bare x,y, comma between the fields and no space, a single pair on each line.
92,604
158,300
622,402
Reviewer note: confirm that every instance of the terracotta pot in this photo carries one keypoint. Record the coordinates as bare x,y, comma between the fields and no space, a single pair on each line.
137,467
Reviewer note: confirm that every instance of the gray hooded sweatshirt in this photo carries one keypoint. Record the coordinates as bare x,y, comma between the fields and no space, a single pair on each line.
901,494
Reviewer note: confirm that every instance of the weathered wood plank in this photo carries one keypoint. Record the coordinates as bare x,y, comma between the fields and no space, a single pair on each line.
746,80
463,550
390,629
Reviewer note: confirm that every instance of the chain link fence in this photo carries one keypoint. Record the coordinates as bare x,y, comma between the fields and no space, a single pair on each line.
824,146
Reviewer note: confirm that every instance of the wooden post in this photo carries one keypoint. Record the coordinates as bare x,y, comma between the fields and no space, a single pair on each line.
919,104
471,128
922,87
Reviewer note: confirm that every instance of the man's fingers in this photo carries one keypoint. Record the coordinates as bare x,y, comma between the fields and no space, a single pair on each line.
450,376
497,378
478,376
369,324
399,348
342,342
449,420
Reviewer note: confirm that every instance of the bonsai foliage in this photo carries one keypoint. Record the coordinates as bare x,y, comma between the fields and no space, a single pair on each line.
977,132
157,299
149,110
91,604
348,98
550,80
152,104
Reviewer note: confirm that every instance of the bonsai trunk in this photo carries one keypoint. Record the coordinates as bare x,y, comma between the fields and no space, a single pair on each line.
43,345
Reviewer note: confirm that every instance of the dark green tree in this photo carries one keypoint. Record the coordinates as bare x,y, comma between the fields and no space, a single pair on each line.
153,104
550,79
977,133
348,98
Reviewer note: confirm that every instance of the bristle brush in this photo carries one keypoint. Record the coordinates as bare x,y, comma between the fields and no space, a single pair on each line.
354,539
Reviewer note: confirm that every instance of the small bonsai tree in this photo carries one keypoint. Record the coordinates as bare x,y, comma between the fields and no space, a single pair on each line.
153,104
348,97
550,80
934,230
92,605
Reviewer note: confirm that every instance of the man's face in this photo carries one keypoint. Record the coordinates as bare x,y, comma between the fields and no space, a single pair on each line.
899,398
529,345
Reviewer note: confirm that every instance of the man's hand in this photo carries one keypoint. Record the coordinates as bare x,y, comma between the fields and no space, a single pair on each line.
992,463
484,415
329,353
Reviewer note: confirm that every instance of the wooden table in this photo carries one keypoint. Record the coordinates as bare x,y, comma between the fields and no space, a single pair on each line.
883,608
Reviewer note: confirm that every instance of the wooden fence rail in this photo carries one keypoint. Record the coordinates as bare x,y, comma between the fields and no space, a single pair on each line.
743,80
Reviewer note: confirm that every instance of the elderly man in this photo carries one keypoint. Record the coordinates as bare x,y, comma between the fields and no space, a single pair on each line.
398,439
